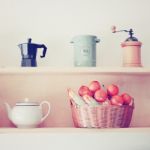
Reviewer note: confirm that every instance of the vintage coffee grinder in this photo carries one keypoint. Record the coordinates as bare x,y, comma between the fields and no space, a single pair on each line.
131,49
29,51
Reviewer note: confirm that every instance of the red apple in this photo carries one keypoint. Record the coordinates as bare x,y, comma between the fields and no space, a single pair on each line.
126,98
117,100
84,90
94,86
112,90
100,95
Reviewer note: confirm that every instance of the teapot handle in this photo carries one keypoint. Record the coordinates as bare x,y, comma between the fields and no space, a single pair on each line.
49,107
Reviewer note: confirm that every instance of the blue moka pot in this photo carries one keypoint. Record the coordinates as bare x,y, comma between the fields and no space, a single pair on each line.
85,50
29,51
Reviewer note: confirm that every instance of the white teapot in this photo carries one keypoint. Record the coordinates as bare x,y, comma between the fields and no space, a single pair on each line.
27,114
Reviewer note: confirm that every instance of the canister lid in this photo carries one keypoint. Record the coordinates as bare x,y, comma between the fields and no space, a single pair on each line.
83,38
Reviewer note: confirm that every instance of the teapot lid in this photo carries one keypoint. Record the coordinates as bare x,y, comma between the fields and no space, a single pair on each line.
27,102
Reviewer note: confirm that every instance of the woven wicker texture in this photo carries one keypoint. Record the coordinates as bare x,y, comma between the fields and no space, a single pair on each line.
101,116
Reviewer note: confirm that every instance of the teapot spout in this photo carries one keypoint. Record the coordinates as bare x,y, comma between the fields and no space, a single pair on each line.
8,108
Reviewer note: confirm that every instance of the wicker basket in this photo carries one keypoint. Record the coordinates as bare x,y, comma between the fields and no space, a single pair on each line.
101,116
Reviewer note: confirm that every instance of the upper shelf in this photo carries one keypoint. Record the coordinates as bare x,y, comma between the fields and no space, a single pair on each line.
75,70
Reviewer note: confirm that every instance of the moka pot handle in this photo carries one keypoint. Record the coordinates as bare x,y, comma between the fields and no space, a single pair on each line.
44,50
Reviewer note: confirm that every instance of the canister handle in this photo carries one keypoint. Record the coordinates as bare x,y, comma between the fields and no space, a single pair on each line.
97,40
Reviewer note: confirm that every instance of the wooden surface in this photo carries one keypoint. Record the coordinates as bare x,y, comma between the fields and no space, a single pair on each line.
124,70
73,130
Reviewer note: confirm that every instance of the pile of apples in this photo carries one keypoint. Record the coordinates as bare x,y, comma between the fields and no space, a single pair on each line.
109,94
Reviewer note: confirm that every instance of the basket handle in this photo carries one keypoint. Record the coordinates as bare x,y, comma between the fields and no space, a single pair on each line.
132,103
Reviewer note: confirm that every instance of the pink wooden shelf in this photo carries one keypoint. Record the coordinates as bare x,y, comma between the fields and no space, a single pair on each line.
75,70
73,130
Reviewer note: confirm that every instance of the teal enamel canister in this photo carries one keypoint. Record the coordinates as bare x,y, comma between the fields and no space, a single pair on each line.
85,50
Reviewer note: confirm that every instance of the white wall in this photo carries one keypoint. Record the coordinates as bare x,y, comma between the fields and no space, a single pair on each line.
55,22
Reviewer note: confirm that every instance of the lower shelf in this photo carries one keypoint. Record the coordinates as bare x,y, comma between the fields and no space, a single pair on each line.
75,138
72,130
